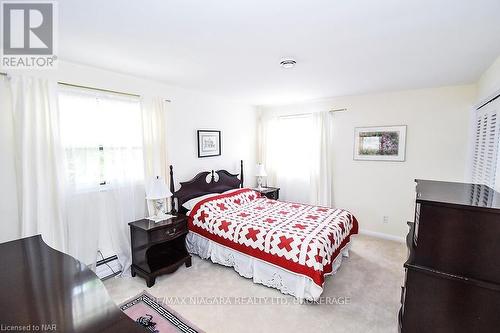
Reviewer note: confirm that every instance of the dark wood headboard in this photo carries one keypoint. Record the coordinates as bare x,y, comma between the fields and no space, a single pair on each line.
218,182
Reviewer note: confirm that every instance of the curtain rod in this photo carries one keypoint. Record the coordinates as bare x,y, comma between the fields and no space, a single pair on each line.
98,89
298,115
105,90
310,113
92,88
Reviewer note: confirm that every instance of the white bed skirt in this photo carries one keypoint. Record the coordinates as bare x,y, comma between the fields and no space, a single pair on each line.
261,272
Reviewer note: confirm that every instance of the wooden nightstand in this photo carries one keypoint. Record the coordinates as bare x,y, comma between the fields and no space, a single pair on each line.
158,248
269,192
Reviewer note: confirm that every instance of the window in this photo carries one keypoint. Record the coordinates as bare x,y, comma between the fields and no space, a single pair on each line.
102,137
486,139
293,156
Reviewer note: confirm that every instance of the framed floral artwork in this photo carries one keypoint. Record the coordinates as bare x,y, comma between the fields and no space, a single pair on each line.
386,143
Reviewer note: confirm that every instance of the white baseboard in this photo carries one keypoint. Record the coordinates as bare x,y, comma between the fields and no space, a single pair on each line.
382,235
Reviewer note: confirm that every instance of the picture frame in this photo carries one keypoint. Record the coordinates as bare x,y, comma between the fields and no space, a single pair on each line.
382,143
209,143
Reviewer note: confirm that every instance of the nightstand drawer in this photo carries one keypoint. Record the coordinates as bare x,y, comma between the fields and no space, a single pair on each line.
166,234
272,195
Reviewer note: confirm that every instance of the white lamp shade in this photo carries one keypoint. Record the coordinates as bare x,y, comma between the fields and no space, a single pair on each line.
261,171
157,189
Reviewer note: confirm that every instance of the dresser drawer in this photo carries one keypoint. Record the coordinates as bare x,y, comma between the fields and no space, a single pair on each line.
459,241
436,303
169,233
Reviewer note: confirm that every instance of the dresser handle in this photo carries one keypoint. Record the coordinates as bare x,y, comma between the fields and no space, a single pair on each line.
171,232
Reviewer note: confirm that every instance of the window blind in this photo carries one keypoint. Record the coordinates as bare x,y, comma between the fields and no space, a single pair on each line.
486,140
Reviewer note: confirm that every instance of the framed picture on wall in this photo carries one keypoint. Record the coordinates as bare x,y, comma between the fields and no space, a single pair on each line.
386,143
209,143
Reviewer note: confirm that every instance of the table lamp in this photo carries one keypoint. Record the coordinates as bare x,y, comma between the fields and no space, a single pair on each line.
260,174
156,195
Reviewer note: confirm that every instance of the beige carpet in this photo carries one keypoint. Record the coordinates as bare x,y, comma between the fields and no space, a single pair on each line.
371,278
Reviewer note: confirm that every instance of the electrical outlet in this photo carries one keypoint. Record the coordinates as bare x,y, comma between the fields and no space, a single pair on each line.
385,219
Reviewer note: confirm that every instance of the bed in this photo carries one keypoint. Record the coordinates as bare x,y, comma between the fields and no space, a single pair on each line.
288,246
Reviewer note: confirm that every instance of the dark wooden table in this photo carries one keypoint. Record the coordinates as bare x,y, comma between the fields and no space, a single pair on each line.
46,289
158,248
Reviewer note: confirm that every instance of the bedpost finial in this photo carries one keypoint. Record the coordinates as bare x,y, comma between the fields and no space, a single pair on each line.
171,178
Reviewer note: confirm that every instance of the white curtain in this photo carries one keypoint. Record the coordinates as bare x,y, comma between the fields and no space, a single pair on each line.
38,155
102,138
296,151
11,228
321,189
81,160
154,123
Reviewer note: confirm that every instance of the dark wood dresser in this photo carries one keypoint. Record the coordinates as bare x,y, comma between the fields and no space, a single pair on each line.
452,281
158,248
44,290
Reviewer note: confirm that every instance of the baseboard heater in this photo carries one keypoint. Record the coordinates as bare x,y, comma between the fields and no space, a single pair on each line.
108,267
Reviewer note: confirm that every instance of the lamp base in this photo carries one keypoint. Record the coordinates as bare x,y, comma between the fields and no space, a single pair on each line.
260,180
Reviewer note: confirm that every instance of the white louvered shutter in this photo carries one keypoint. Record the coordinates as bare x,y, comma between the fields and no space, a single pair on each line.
485,159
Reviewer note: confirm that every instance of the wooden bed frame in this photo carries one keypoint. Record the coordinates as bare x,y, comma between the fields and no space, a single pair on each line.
199,186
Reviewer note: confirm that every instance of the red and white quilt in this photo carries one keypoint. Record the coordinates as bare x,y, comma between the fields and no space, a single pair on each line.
300,238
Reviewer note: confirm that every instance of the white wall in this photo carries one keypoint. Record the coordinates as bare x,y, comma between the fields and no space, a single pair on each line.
437,141
189,111
238,126
489,83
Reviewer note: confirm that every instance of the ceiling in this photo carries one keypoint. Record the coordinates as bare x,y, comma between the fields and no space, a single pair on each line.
232,48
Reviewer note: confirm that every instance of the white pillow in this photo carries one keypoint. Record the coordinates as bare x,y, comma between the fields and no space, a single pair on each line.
189,205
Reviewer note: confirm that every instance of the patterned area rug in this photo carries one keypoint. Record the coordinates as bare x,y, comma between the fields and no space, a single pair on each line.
156,317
